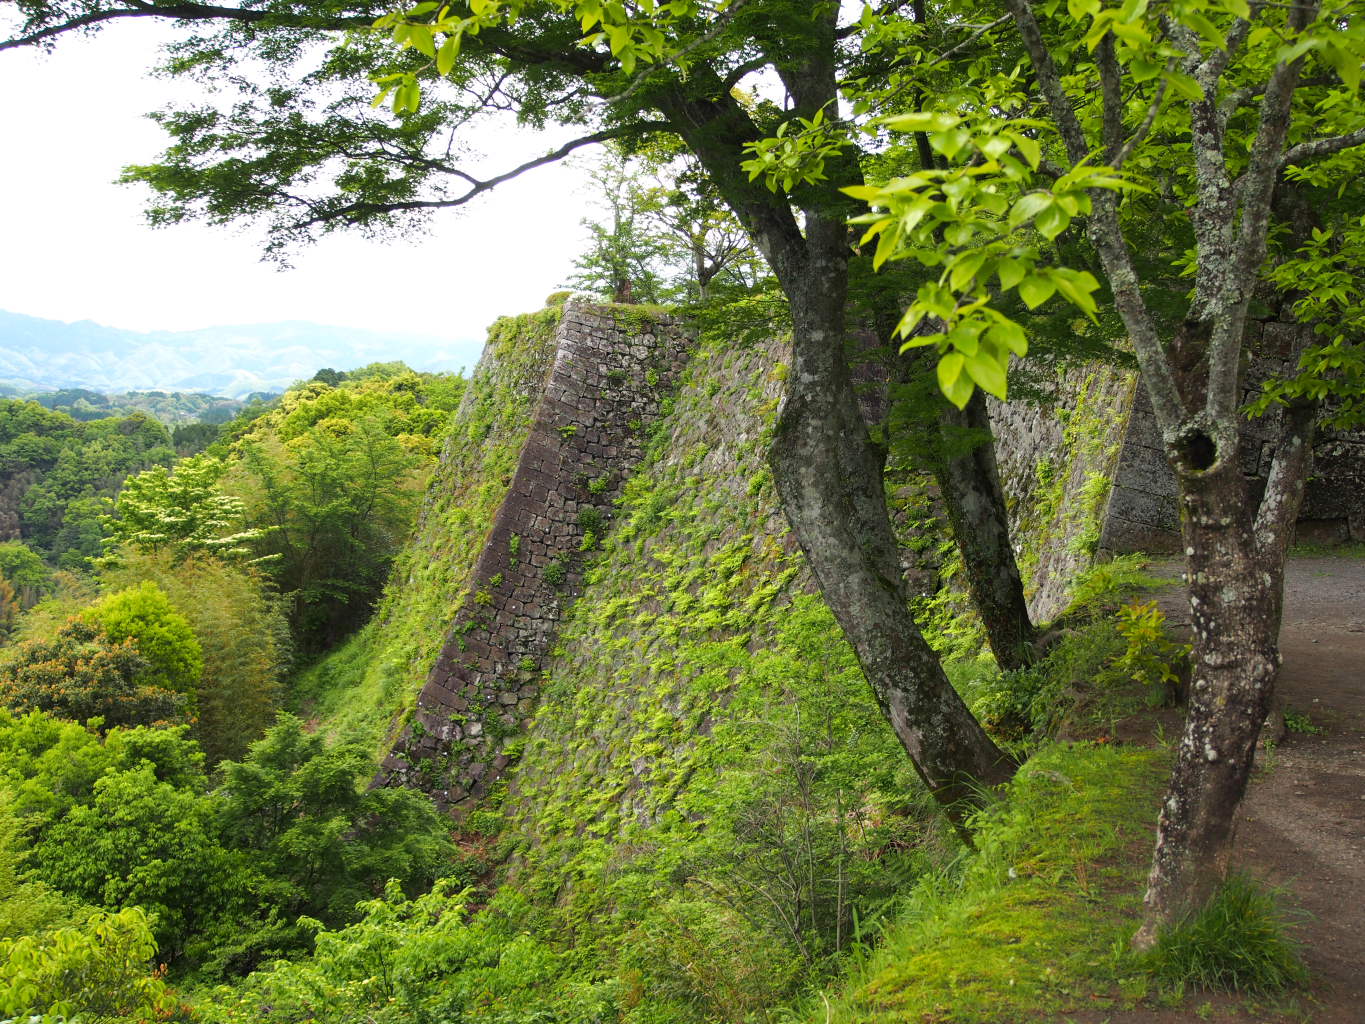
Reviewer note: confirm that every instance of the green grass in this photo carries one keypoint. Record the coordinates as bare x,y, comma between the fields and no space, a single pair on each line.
1037,922
1238,943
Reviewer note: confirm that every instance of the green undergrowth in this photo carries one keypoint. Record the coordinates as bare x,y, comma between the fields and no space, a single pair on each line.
355,692
1037,921
1238,943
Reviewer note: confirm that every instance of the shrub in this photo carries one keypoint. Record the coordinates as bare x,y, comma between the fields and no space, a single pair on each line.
1236,943
100,970
81,673
1151,658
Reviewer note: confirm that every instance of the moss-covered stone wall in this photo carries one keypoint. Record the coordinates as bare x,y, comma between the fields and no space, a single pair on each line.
1057,466
610,373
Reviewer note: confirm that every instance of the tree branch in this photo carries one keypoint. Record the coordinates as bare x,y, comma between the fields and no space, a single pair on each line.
1289,470
181,12
1106,233
1254,193
1137,138
361,210
1111,90
1318,148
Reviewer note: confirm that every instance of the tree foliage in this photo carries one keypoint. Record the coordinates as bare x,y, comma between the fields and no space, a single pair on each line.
182,511
82,673
63,471
228,862
163,637
242,632
99,970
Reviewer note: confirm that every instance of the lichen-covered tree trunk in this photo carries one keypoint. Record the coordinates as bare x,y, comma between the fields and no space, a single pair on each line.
969,482
829,475
1234,556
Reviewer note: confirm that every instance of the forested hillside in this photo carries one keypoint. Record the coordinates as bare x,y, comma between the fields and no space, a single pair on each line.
703,819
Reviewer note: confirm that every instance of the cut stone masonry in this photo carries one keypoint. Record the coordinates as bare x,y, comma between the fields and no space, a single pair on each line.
613,369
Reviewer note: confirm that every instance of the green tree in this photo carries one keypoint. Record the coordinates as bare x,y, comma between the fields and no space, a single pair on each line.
25,571
163,637
100,970
332,503
624,258
182,511
82,673
145,843
241,631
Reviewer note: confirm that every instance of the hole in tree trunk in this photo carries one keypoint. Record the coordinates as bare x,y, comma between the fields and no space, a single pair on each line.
1199,449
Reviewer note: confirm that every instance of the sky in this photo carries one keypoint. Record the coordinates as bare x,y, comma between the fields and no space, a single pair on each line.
74,246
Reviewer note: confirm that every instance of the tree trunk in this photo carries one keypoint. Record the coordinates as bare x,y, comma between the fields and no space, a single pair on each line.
969,481
829,475
1234,555
827,471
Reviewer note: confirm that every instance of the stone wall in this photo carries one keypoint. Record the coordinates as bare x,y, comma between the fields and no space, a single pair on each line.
613,369
1143,514
1057,464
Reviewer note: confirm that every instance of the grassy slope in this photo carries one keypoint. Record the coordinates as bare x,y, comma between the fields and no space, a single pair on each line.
1037,922
357,691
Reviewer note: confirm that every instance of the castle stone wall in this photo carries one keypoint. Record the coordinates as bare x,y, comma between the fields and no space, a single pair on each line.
613,369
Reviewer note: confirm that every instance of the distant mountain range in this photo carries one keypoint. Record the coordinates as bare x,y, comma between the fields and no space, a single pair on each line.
43,355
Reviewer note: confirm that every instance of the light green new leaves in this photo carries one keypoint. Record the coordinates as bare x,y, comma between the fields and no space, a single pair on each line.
796,153
970,220
641,33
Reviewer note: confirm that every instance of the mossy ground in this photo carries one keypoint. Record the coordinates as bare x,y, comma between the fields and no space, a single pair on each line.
1037,922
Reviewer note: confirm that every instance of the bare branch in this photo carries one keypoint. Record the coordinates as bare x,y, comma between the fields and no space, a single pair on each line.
1318,148
360,210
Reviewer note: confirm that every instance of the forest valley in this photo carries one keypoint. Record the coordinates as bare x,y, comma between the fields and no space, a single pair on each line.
772,774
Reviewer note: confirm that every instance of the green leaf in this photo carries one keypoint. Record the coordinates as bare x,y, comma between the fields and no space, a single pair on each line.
1036,289
1185,87
950,142
921,122
1052,221
1027,206
1011,272
1077,288
949,369
1008,334
445,56
988,374
959,391
422,40
1028,148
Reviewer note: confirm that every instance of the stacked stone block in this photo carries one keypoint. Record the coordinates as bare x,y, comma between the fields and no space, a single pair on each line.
613,369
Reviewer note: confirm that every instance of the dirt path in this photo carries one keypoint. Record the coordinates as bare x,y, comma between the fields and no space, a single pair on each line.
1303,824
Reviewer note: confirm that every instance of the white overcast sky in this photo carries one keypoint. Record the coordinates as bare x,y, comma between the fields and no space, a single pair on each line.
73,245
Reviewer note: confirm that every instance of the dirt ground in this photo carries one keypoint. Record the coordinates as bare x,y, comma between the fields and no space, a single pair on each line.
1303,821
